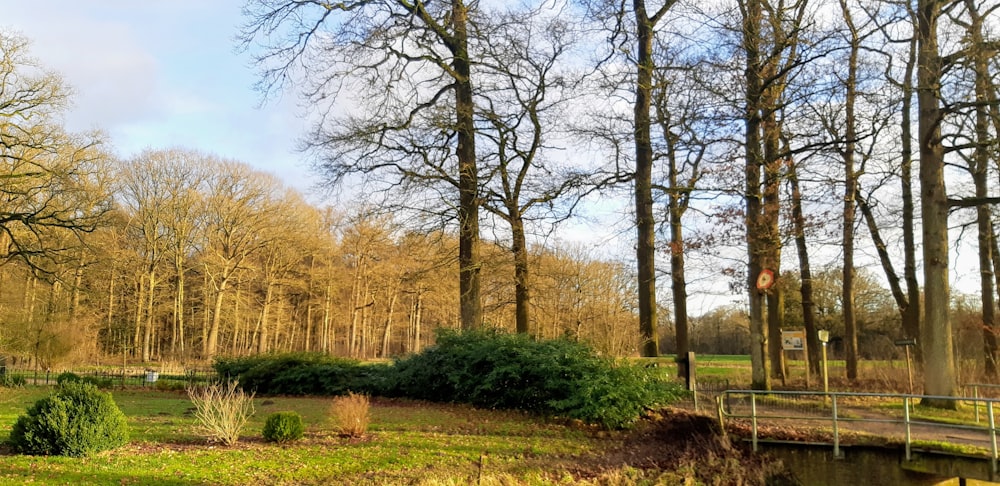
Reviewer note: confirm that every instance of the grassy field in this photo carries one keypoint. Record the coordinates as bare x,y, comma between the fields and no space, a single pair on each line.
408,443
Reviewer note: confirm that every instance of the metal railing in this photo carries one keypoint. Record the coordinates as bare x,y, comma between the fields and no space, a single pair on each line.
836,410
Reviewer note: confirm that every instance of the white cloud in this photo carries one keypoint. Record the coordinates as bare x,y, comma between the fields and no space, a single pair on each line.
161,74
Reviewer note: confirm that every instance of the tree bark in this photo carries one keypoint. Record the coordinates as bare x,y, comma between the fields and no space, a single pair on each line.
980,173
522,295
754,160
939,359
805,272
850,189
645,220
468,175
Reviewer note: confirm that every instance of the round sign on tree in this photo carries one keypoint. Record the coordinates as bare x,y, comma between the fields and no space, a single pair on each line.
765,279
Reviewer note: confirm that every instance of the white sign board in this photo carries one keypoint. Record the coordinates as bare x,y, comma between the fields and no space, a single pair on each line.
793,340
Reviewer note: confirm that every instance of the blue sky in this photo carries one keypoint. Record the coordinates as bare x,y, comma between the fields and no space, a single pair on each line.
161,74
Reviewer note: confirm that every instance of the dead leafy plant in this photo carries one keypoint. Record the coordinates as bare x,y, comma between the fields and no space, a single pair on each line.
222,410
351,414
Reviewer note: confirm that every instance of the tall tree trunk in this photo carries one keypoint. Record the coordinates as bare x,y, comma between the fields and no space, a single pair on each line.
150,316
264,317
939,359
206,315
522,295
772,239
751,10
328,339
805,271
111,307
179,302
139,306
850,188
387,335
468,174
910,307
74,307
980,173
645,220
213,331
678,283
417,316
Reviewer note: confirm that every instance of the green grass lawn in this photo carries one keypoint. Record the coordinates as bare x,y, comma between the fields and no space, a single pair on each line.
408,443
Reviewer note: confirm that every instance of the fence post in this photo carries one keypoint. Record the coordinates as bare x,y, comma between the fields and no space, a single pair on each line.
836,430
993,435
906,424
753,419
975,400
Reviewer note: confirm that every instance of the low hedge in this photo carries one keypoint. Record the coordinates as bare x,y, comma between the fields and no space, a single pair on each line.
486,368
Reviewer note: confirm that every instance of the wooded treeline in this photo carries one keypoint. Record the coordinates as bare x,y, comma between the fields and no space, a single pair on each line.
859,132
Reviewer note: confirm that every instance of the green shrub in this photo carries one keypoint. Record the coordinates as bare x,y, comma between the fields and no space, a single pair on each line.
495,369
68,376
302,374
283,427
100,381
76,420
170,385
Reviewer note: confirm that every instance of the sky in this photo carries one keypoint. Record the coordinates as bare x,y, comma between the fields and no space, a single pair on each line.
167,73
161,74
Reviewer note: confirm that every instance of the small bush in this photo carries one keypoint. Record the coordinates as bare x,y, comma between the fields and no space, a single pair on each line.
222,409
283,427
68,376
351,414
76,420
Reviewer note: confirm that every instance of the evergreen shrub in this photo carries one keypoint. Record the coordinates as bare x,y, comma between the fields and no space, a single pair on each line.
67,376
496,369
283,427
76,420
302,374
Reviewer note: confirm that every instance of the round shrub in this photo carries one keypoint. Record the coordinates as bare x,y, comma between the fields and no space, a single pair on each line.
283,427
76,420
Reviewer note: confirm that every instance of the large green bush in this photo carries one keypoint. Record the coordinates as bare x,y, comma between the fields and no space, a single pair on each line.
302,374
283,427
486,368
76,420
494,369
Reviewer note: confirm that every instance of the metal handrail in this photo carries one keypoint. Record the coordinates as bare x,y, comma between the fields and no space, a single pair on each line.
835,401
975,393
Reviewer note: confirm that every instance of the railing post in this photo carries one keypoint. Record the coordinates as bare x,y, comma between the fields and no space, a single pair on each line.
836,430
993,435
975,400
906,424
753,419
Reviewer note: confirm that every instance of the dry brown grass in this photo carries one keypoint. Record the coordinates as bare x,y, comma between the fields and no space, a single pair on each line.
350,414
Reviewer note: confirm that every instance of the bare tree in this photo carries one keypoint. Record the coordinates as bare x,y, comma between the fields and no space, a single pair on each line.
408,66
51,182
521,102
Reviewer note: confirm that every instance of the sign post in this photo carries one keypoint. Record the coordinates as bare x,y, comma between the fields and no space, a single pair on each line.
907,344
796,341
824,337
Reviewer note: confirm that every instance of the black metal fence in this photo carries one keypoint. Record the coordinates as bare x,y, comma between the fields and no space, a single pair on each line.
128,378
